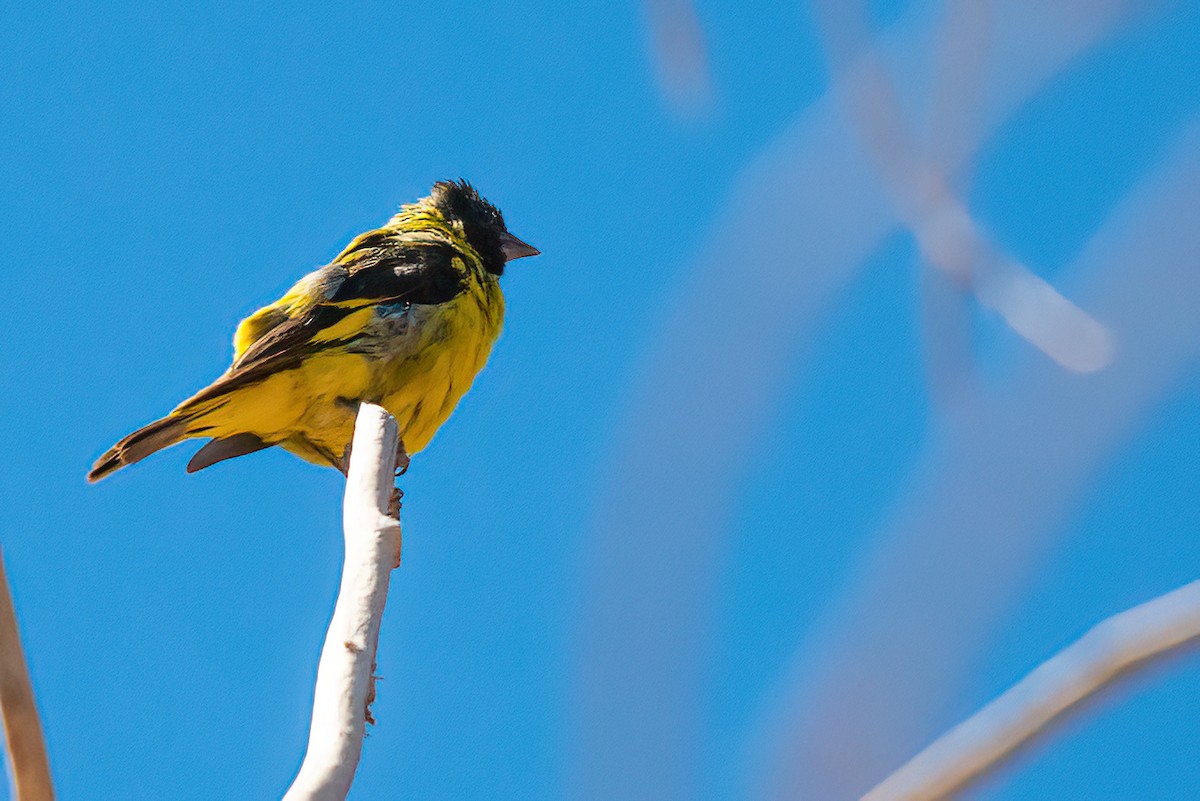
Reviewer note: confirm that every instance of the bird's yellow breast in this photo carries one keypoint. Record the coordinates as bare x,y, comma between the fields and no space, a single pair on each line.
420,386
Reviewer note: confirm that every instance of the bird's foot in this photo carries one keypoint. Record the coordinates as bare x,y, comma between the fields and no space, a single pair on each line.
394,503
402,459
343,464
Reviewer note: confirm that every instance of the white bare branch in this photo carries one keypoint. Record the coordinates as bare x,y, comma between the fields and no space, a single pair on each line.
22,729
1117,646
345,681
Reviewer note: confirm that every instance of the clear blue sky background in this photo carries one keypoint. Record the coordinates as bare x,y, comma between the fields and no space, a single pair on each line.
168,169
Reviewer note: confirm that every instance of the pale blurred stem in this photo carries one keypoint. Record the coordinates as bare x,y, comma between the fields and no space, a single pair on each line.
345,676
22,729
1114,648
948,237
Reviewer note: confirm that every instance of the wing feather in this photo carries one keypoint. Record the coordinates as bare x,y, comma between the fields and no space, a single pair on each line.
320,311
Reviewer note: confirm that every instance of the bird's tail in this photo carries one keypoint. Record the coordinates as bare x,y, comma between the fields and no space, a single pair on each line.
140,444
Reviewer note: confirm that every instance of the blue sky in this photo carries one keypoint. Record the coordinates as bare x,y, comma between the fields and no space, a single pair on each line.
169,170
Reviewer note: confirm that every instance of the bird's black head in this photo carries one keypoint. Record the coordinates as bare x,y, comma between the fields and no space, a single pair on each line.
482,224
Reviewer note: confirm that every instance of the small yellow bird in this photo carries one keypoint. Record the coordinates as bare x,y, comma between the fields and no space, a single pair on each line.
404,317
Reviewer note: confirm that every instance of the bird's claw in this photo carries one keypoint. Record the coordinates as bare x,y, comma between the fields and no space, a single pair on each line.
402,459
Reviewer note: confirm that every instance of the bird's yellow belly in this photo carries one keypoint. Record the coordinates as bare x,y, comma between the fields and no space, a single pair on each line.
422,389
308,409
423,392
417,364
419,379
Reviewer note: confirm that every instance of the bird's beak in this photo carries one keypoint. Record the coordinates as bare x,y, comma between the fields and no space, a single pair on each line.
514,248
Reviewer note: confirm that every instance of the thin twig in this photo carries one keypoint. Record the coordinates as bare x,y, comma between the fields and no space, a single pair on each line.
1116,647
22,729
345,683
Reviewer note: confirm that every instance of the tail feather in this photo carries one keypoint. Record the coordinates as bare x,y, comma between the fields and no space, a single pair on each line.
138,445
218,450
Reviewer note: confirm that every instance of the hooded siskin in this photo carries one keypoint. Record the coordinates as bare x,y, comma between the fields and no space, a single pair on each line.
404,317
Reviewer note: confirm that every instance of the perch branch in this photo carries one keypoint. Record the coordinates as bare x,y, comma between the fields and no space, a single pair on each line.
1113,648
22,729
345,683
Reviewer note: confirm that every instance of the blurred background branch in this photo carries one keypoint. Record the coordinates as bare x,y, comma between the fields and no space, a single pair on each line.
1130,641
679,55
793,234
27,759
985,505
949,238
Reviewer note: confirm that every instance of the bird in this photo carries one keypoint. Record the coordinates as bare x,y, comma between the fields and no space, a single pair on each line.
404,317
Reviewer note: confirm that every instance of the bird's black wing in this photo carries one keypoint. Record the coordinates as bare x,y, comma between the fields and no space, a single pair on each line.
422,274
425,274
